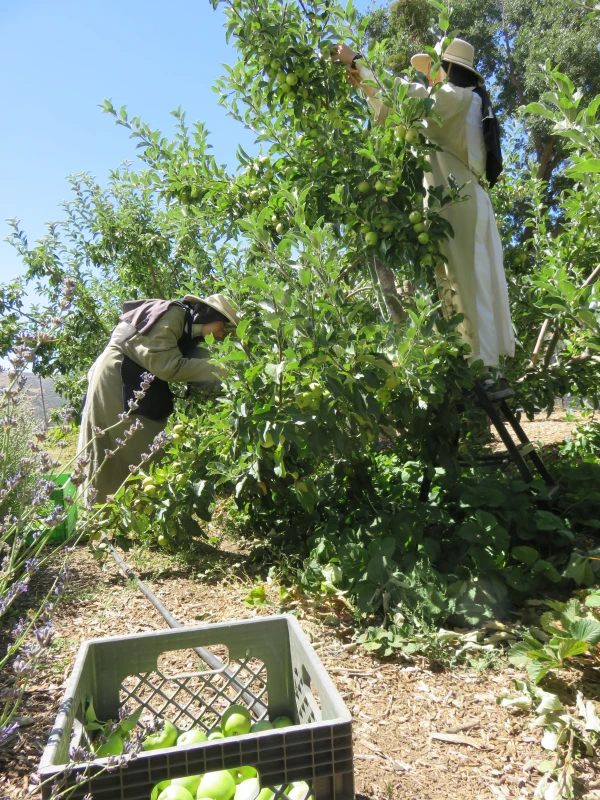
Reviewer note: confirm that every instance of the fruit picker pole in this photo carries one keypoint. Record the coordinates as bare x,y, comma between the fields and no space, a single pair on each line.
210,659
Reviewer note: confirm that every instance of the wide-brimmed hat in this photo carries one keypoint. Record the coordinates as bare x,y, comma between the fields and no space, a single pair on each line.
219,302
458,52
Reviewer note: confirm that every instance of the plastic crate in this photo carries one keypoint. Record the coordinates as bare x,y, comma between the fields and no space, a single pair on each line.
271,669
58,497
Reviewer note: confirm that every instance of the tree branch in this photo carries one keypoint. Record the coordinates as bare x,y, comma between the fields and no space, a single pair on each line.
511,68
387,283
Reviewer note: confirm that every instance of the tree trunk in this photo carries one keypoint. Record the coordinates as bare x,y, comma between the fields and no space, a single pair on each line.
387,282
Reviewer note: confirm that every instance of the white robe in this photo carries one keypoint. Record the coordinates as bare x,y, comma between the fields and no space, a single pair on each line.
473,279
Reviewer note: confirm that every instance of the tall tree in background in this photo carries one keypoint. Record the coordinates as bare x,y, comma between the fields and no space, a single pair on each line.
512,40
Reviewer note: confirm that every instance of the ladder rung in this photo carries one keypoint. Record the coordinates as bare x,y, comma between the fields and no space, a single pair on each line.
525,448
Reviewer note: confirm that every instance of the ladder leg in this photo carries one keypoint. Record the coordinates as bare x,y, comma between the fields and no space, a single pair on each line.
511,447
425,487
522,436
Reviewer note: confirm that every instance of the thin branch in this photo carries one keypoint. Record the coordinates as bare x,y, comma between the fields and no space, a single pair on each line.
551,347
538,345
511,68
349,268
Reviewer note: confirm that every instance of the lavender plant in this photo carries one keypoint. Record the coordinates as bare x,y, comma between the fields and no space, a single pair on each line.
27,480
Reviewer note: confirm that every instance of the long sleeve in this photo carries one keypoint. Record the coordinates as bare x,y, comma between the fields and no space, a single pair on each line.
448,100
157,352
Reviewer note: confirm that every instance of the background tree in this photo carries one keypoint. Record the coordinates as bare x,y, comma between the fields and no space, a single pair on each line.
512,40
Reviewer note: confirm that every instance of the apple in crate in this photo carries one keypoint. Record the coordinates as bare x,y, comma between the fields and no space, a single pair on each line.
248,789
193,736
166,736
216,786
282,722
175,793
240,774
263,725
190,782
236,721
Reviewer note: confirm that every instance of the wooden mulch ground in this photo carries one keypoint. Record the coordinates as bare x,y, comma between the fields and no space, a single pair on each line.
420,733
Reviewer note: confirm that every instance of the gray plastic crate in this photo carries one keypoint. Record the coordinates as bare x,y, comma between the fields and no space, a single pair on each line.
270,667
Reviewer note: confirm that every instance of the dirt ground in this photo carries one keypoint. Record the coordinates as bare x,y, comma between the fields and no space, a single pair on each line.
419,733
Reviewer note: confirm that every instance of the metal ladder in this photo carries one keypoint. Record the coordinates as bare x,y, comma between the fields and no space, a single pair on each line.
514,452
517,453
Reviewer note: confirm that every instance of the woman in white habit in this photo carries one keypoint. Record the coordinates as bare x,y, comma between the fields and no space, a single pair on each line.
472,280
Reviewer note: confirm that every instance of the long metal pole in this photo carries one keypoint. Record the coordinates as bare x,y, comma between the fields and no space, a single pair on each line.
210,659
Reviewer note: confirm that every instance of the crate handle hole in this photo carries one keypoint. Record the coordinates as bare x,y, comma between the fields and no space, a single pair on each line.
177,663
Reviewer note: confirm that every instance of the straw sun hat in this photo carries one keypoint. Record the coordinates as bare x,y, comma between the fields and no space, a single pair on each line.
458,52
217,301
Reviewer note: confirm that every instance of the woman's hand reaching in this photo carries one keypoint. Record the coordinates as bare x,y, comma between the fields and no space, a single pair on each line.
344,54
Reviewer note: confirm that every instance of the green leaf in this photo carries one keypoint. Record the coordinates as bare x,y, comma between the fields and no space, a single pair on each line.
539,669
539,109
257,597
572,647
241,328
586,167
593,601
586,629
520,653
525,554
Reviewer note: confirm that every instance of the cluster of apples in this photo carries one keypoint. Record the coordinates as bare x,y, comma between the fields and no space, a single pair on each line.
240,783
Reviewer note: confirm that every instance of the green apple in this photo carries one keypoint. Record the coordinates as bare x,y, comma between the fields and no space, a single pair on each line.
193,736
291,79
379,186
236,721
217,786
190,782
282,722
280,228
112,747
263,725
371,238
212,737
248,789
412,136
298,790
165,737
419,227
268,440
150,489
158,789
240,774
364,187
423,238
400,132
266,794
303,399
175,793
364,229
391,187
415,217
388,227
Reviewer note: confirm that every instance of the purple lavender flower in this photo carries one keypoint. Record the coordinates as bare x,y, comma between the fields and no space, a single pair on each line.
6,731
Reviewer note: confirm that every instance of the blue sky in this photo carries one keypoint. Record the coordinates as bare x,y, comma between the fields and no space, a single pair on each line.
60,59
